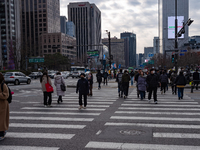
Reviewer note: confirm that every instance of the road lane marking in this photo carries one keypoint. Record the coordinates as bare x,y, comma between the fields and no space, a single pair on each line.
51,118
160,105
154,125
155,113
171,102
132,146
55,113
176,135
63,126
39,135
5,147
154,118
184,109
63,105
53,108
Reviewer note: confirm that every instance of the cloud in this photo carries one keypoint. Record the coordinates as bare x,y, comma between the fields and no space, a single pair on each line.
133,2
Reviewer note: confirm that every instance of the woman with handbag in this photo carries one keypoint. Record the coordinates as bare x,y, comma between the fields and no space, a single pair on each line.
60,86
47,88
4,109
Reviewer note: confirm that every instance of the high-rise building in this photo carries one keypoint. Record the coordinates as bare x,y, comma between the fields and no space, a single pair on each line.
87,20
38,17
148,52
156,46
117,50
63,21
140,61
10,33
70,29
166,15
132,47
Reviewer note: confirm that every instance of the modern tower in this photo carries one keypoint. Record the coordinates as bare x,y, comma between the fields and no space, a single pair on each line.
38,17
131,37
63,21
87,20
166,14
10,32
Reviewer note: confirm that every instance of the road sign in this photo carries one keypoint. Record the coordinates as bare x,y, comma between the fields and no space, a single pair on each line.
183,51
151,62
36,60
182,54
93,54
151,55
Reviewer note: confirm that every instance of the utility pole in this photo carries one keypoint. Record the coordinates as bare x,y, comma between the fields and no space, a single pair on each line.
109,49
176,38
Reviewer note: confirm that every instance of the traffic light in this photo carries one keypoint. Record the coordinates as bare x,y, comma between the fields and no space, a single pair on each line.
190,22
173,58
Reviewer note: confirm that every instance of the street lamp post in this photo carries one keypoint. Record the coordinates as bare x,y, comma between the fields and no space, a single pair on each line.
109,48
176,38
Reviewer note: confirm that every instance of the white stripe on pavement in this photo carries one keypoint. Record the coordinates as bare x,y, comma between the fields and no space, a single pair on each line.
60,106
56,113
23,125
50,118
53,108
133,146
155,118
90,100
160,105
176,135
27,148
184,109
156,113
171,102
68,102
154,125
39,135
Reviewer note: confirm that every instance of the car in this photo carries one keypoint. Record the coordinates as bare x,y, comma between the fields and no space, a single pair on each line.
75,75
34,75
51,75
65,75
16,78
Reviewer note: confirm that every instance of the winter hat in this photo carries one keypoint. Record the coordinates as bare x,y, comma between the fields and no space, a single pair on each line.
82,74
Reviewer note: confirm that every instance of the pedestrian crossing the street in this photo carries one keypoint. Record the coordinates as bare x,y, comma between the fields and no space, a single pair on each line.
154,120
131,123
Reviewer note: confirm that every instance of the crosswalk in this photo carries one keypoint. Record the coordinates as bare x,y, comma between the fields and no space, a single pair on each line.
60,122
172,125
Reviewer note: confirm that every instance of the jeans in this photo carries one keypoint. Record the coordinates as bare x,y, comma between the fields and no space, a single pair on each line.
142,94
180,92
154,90
132,78
85,99
47,94
174,89
120,88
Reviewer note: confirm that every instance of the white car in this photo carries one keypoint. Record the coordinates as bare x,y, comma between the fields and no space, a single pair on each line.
16,78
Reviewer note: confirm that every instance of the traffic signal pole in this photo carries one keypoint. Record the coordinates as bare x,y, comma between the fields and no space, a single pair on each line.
176,38
109,49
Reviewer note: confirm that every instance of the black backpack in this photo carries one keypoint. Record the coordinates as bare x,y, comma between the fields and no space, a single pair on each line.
10,95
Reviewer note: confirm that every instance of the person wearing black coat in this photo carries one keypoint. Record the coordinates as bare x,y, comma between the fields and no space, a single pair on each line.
83,89
99,78
90,83
196,77
164,82
136,79
152,83
105,77
180,84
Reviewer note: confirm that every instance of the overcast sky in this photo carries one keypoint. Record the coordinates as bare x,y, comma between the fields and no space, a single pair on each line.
137,16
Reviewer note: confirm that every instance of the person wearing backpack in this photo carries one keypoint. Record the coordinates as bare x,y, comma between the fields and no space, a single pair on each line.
44,80
105,77
119,81
164,82
125,83
4,108
99,79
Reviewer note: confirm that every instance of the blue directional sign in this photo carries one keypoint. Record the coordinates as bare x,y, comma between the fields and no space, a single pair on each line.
182,54
150,55
183,51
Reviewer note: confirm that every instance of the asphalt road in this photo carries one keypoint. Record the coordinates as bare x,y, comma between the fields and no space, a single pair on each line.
108,122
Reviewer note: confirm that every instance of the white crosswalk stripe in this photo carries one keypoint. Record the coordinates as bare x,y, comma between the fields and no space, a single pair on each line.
166,115
5,147
53,108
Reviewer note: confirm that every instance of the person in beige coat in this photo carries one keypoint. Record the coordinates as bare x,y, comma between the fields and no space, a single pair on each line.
4,109
43,80
57,82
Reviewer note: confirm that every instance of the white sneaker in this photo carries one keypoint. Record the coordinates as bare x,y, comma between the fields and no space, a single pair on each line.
84,107
80,107
162,92
2,138
156,102
45,106
149,100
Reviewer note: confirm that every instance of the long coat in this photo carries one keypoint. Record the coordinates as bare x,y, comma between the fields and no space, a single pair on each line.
142,83
4,109
57,82
44,81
